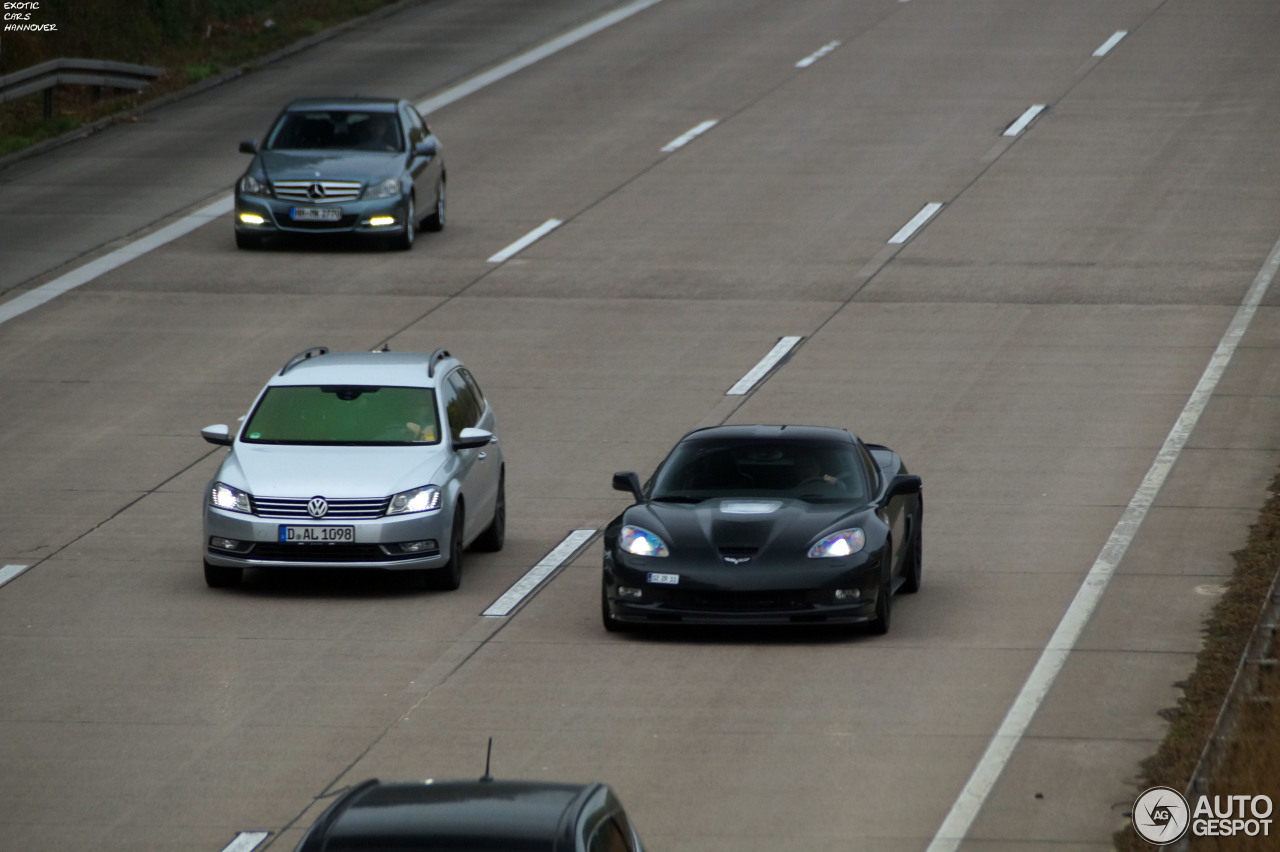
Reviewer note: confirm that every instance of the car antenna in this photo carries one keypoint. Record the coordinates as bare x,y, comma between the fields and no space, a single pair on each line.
487,778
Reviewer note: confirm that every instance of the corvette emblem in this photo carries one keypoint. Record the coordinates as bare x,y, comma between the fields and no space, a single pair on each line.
317,507
736,560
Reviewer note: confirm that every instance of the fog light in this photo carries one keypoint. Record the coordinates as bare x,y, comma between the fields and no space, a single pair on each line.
627,592
382,221
251,219
848,594
418,546
220,543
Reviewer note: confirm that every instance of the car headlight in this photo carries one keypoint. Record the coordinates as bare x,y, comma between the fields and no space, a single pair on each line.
386,189
843,543
422,499
641,542
250,185
232,499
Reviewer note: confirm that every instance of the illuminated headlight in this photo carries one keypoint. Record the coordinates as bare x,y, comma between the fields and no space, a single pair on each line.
250,185
415,500
251,219
641,542
382,221
843,543
388,188
232,499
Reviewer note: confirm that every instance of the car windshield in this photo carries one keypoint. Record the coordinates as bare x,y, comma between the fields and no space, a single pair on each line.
815,471
336,129
343,414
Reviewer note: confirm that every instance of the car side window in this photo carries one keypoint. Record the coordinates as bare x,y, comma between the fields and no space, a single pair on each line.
475,388
608,837
417,128
461,406
871,468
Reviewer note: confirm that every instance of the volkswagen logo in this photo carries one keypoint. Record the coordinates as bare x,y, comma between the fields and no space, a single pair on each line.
316,191
317,507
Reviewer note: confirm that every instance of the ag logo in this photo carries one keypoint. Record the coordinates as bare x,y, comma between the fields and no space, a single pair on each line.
1161,815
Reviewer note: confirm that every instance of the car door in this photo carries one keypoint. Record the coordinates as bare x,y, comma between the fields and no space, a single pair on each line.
424,170
882,465
477,467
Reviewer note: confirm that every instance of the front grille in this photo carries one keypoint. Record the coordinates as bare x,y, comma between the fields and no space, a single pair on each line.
293,508
331,191
326,553
779,600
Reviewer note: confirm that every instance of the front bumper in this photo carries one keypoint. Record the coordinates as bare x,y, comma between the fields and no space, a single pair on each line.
379,543
711,594
277,216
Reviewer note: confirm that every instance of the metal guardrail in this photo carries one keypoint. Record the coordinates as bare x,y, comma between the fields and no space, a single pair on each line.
82,72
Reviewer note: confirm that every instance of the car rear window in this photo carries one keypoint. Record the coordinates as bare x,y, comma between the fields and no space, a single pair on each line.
343,414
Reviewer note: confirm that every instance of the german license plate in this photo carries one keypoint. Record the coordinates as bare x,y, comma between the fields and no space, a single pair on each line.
315,214
316,535
665,579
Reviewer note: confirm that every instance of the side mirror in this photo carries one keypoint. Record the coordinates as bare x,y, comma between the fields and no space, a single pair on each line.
427,148
218,434
471,438
628,481
249,146
902,484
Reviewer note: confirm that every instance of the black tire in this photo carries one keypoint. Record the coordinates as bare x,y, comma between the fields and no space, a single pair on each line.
404,241
449,577
879,625
435,221
247,241
221,577
913,568
492,539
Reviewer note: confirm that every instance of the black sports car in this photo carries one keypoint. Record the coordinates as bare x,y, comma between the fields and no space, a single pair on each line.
477,816
765,525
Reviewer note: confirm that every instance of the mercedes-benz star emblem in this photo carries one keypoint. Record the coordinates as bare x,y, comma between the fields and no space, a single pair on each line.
316,190
317,507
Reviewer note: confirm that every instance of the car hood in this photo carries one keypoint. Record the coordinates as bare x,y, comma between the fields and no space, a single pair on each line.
770,527
275,470
368,166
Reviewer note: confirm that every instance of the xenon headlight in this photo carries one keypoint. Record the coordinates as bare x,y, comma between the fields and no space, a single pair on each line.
232,499
843,543
388,188
641,542
422,499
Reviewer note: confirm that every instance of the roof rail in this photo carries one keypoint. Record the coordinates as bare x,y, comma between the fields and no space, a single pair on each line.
437,356
313,352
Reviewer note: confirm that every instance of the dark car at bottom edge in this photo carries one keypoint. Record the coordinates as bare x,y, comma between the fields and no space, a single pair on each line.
762,525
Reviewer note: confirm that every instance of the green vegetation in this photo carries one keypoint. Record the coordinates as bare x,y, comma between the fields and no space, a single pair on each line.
192,40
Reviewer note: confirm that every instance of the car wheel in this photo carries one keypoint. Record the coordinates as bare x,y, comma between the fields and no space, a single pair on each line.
248,241
435,222
449,577
612,624
491,540
880,624
221,577
912,571
404,241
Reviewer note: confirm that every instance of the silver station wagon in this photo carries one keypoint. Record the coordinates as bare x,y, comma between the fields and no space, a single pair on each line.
378,460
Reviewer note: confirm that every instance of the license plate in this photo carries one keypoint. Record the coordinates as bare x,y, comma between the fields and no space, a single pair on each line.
315,214
665,579
316,535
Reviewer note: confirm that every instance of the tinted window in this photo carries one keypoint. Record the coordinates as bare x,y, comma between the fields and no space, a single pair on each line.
343,414
337,130
817,471
607,838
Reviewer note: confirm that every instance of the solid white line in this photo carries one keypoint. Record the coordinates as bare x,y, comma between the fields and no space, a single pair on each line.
522,588
8,572
1110,43
527,240
776,354
1027,117
246,841
956,826
818,54
529,57
917,221
689,136
83,275
119,257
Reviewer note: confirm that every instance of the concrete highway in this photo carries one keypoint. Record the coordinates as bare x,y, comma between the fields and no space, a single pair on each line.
1025,304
